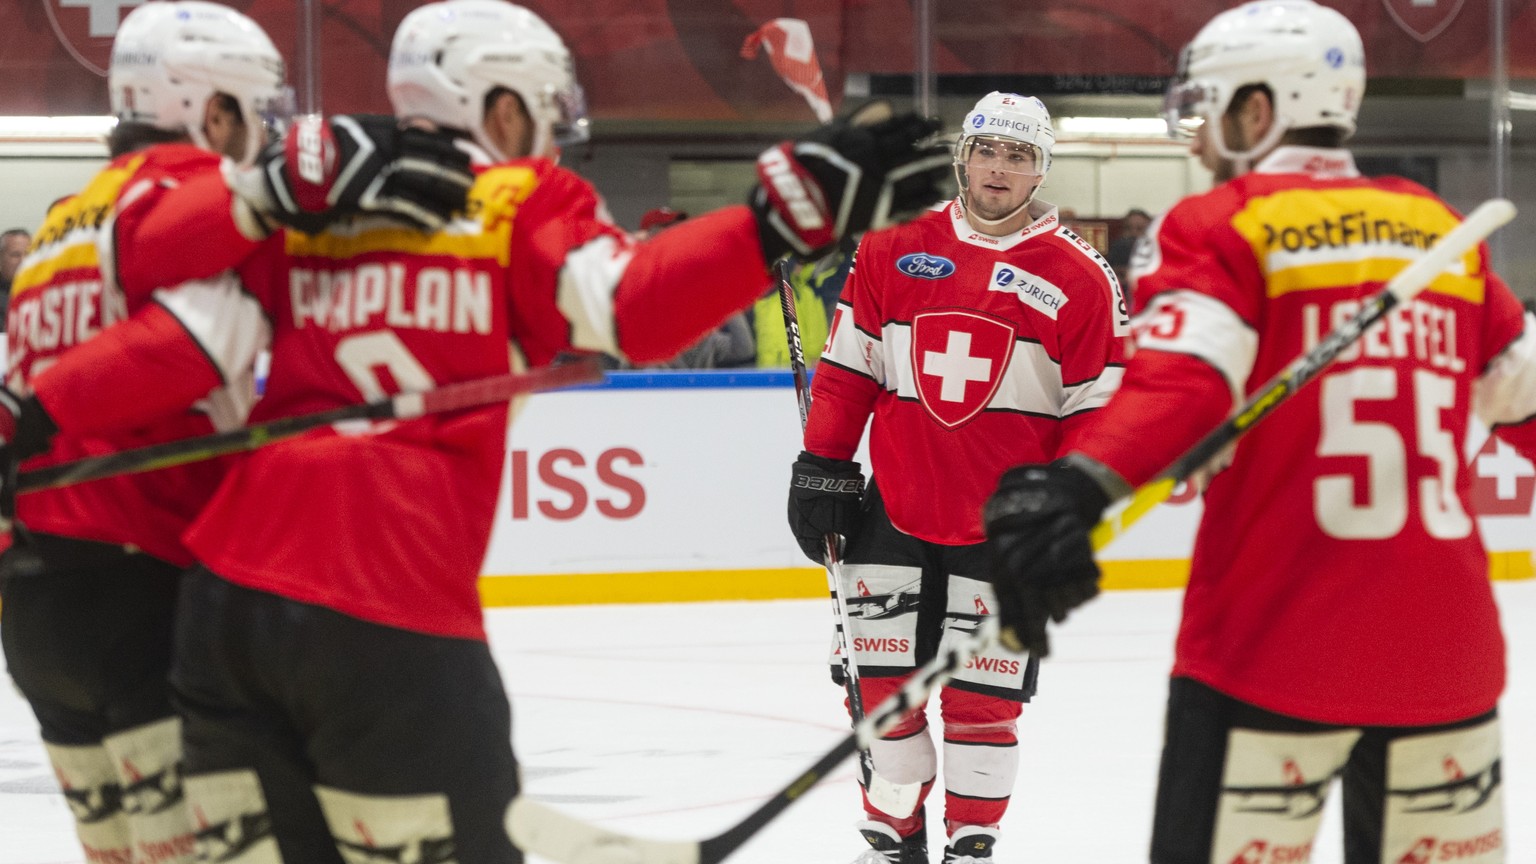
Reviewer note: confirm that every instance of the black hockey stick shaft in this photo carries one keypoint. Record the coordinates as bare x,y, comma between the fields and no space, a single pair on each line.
1407,284
830,541
405,406
545,831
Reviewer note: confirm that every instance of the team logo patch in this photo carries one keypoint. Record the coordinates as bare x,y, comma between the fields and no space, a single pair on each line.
925,266
959,357
1423,21
86,27
1037,292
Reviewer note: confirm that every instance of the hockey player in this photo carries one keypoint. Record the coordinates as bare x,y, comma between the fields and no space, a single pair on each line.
89,584
981,334
331,666
1339,618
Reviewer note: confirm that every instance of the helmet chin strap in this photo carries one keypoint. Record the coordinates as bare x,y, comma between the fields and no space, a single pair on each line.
1242,161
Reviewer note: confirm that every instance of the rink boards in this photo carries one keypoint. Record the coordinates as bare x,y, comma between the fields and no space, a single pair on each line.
671,486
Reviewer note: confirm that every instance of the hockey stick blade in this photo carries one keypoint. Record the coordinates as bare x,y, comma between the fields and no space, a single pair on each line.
1407,284
406,406
541,830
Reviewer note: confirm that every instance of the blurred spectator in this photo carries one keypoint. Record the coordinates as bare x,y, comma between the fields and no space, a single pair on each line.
1133,225
13,248
817,286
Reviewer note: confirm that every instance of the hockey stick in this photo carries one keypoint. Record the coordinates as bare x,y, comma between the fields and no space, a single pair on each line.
542,830
896,799
405,406
1407,284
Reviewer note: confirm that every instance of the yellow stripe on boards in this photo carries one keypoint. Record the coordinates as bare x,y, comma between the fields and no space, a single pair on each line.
800,583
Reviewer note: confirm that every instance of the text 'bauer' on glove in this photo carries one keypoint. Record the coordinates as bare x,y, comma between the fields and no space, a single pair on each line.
324,169
825,497
867,170
1038,523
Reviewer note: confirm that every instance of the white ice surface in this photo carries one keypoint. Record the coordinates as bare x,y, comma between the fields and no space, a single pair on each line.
674,721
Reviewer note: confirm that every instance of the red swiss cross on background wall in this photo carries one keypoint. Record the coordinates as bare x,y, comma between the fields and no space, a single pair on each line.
958,357
86,28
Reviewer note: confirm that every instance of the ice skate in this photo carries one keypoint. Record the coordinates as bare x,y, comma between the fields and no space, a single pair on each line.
971,844
888,847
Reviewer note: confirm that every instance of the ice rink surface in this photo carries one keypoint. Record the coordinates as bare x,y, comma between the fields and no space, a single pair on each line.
675,721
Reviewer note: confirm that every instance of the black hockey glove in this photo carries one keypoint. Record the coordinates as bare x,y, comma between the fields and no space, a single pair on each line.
1037,525
868,170
825,497
353,164
25,431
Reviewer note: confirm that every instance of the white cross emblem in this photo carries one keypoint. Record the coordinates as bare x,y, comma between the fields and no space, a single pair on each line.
105,14
956,367
1506,467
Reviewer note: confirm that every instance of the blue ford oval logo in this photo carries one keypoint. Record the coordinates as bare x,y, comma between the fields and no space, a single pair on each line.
925,266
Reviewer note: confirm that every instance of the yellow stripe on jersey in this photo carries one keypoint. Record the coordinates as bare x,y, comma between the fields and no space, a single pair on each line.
1311,238
493,201
68,238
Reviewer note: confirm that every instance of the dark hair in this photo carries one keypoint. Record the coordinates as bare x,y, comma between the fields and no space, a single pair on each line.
129,136
15,232
1307,136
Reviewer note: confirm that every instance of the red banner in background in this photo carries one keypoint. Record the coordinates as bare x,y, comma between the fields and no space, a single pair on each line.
671,60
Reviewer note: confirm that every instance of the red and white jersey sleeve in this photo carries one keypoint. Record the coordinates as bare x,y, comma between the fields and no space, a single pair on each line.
966,354
389,522
86,270
1338,574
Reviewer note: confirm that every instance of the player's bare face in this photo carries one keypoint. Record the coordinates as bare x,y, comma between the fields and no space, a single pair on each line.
1202,147
1000,175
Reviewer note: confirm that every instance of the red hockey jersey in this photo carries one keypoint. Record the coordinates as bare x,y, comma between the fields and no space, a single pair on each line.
84,271
389,522
971,354
1338,574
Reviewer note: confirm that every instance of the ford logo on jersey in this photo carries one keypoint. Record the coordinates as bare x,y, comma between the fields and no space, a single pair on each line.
925,266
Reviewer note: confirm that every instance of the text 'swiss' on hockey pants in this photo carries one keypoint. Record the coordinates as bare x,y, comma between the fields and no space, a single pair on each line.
907,600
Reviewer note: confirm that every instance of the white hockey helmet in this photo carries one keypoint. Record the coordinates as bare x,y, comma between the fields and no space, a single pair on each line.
448,56
1006,122
170,58
1309,56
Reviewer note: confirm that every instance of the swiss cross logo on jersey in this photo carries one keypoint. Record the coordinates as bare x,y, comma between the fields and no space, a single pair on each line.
1503,481
1421,853
1423,19
86,27
959,357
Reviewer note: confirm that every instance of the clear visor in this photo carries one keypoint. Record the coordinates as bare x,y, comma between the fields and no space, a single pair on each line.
1185,107
572,127
274,112
990,153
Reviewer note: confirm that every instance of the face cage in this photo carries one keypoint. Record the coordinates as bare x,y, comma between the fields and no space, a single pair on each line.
994,155
1186,106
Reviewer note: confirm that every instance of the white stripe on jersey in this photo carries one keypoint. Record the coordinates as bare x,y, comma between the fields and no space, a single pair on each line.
1506,392
585,294
852,348
1186,322
1031,384
230,327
